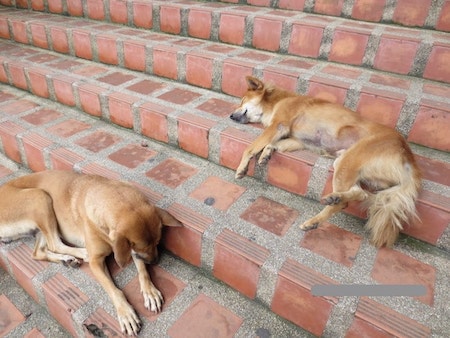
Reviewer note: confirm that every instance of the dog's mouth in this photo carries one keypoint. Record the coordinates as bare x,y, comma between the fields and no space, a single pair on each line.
240,116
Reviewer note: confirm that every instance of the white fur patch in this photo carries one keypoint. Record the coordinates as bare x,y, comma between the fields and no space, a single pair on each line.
17,229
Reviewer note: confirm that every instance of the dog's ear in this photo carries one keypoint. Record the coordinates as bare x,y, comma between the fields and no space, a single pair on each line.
121,249
253,83
167,219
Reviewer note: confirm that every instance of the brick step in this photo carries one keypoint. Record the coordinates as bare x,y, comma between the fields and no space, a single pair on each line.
244,233
183,116
417,13
407,51
417,108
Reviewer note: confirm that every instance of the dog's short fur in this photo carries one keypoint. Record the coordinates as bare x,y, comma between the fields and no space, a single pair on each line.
374,163
96,217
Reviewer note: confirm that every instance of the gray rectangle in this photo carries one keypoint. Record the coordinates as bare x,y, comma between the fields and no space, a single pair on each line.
360,290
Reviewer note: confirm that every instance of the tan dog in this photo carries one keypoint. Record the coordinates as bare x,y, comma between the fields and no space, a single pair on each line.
374,163
97,217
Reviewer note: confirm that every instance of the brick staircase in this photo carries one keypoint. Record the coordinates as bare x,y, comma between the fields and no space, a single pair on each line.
142,90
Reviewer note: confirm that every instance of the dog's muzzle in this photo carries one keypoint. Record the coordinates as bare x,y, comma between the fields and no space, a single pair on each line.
146,260
240,116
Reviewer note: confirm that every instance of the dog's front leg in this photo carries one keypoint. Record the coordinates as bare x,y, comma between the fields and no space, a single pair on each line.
129,322
270,135
153,298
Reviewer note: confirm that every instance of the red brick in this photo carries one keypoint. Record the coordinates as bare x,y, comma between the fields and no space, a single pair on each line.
98,141
267,33
121,109
237,262
38,82
336,244
265,3
433,209
82,44
293,300
217,193
434,170
75,7
134,55
179,96
34,145
118,11
17,72
330,7
38,35
411,12
170,19
25,268
90,98
437,67
142,14
193,134
399,62
11,316
380,107
348,47
218,107
55,6
217,321
232,144
60,42
431,126
292,4
284,79
171,172
63,298
8,133
271,216
3,75
199,69
233,76
110,327
368,10
64,91
116,78
291,171
165,62
387,80
443,22
63,159
306,39
370,321
199,23
68,128
107,49
38,5
95,10
42,116
330,90
4,29
186,241
154,121
19,31
232,28
132,155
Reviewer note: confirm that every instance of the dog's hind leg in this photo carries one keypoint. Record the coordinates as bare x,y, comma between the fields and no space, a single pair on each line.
42,253
345,189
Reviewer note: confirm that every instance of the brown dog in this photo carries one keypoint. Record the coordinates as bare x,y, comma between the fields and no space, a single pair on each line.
97,217
373,163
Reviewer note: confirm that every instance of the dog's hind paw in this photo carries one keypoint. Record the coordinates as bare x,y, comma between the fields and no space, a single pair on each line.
73,262
331,199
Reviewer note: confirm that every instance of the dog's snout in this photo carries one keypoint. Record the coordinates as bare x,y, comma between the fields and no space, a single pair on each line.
239,116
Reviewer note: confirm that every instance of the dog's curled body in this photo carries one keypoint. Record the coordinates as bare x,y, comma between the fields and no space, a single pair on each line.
96,216
374,163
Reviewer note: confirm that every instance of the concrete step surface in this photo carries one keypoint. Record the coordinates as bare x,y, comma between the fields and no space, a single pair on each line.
240,241
142,90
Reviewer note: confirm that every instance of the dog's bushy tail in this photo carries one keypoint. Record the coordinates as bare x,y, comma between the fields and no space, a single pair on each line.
389,209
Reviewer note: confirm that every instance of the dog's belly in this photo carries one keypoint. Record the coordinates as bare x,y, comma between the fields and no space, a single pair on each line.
16,230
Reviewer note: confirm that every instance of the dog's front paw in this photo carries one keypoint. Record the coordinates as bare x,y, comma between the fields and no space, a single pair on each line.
129,322
153,300
309,225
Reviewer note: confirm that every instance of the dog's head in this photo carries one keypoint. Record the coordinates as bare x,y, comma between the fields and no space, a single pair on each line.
251,108
140,235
